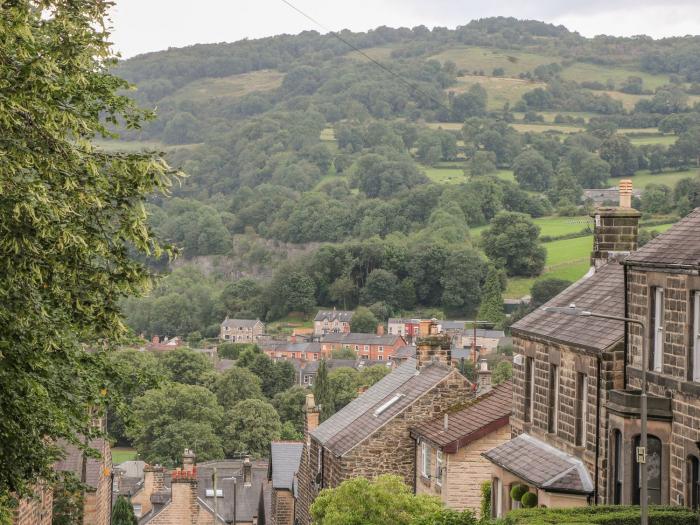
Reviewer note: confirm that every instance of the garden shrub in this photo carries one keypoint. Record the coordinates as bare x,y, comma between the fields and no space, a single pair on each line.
529,500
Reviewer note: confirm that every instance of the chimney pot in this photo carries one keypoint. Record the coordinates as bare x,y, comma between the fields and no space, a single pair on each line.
445,423
626,193
247,471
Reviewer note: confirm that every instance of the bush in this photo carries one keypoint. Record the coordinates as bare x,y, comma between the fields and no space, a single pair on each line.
529,500
518,491
485,500
601,515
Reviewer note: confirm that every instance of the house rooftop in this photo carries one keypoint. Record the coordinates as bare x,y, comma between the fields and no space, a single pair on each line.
358,338
677,247
604,292
542,465
483,415
384,400
74,459
242,323
343,316
285,457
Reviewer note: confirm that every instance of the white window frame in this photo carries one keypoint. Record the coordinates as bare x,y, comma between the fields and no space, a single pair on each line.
658,329
425,460
497,490
696,336
366,348
380,358
438,467
137,509
381,349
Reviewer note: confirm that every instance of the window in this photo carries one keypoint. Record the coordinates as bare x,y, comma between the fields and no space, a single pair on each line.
617,468
693,483
366,348
496,510
380,358
357,348
695,338
553,418
438,467
656,337
306,380
381,349
315,357
581,408
654,475
529,388
425,463
137,509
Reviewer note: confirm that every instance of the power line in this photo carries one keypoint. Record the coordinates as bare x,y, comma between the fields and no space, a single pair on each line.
375,62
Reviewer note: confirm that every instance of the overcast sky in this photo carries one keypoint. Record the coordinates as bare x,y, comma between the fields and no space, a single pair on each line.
140,26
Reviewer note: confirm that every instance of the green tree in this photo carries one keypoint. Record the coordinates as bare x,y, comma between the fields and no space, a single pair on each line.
166,418
532,171
123,512
72,215
250,427
482,163
512,242
234,350
291,290
189,367
381,285
237,384
290,406
343,353
447,517
461,280
343,291
371,374
363,321
618,152
275,376
545,289
323,394
491,308
68,501
502,372
386,499
343,382
657,198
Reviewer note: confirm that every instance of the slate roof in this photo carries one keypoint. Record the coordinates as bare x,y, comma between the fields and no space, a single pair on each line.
285,457
679,246
243,323
344,316
404,352
74,459
604,292
312,348
247,497
345,429
358,338
541,465
485,414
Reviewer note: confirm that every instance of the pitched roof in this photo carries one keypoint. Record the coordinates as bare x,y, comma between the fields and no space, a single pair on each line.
311,367
247,496
484,414
679,246
404,352
74,459
285,457
313,348
242,323
345,429
357,338
344,316
604,292
542,465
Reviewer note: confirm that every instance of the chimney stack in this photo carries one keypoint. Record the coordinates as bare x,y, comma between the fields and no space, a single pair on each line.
247,472
484,374
434,347
188,460
446,422
616,229
380,329
312,414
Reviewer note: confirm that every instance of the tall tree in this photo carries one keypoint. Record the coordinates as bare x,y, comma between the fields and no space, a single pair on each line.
512,242
250,426
323,393
70,216
491,308
364,321
123,512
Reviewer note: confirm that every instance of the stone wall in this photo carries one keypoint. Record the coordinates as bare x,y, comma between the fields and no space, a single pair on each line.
36,509
615,232
97,500
183,508
570,361
282,507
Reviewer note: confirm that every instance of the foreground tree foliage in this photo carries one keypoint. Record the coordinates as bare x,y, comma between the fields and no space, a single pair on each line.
70,215
123,512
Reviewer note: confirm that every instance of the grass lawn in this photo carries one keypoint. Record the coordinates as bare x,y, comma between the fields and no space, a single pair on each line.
534,127
446,175
580,71
472,58
500,89
122,454
665,140
328,135
233,86
670,178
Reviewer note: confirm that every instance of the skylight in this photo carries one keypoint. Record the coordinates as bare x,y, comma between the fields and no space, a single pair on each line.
388,404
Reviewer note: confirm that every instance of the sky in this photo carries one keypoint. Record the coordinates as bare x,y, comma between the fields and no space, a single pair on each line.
140,26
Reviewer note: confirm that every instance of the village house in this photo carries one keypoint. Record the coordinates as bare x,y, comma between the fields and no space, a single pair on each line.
409,329
301,351
242,330
163,345
332,322
371,435
368,347
448,449
285,457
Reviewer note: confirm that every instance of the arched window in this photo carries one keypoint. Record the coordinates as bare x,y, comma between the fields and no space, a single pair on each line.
654,470
616,462
693,482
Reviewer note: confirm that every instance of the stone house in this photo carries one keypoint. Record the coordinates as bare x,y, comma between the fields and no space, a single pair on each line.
96,475
285,457
565,371
242,330
36,509
371,435
332,322
448,449
367,347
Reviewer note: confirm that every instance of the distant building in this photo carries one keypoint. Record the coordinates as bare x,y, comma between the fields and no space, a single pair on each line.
603,196
167,343
368,347
301,351
285,457
487,341
409,329
332,322
242,330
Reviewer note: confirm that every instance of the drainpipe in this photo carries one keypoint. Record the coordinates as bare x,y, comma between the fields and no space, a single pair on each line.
597,427
415,467
626,339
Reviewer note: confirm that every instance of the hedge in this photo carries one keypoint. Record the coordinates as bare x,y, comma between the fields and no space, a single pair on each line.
601,515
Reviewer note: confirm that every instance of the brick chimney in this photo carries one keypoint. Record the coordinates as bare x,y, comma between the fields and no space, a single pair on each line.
434,347
616,230
312,414
183,489
188,460
380,329
247,472
483,374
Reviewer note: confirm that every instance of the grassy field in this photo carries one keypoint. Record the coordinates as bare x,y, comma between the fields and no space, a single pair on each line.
664,140
500,89
541,128
670,178
121,454
580,71
328,135
486,59
233,86
377,53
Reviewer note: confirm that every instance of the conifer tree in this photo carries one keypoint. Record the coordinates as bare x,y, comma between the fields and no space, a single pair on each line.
491,308
323,393
123,513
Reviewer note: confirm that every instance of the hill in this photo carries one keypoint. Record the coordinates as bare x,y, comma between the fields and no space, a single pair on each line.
302,141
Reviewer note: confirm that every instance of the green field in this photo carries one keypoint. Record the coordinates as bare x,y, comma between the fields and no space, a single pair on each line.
534,127
486,59
580,72
642,178
664,140
120,455
500,89
550,226
233,86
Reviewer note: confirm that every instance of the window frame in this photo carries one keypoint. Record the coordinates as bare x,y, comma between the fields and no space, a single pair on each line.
581,410
425,460
656,328
528,408
553,398
438,467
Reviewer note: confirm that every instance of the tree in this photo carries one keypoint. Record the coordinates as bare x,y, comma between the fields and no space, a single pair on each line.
290,406
68,501
234,350
343,291
186,366
491,308
448,517
250,427
482,163
512,242
123,512
463,274
323,394
381,285
166,418
363,321
343,383
545,289
657,198
469,104
343,353
502,372
371,374
237,384
72,215
275,376
386,499
532,171
618,151
291,290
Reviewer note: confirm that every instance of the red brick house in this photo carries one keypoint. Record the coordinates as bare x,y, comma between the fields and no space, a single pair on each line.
372,347
371,435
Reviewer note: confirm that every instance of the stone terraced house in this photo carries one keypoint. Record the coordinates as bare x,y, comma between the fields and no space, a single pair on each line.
371,435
